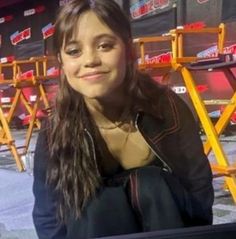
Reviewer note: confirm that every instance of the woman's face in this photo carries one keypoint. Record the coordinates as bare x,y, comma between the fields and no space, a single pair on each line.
94,61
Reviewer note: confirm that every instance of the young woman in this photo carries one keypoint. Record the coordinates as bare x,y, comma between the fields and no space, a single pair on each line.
119,153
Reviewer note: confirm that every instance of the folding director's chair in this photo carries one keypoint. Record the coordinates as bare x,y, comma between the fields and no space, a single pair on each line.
6,137
159,66
222,166
38,66
20,74
181,63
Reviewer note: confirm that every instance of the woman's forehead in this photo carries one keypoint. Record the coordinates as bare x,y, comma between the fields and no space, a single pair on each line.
88,25
89,21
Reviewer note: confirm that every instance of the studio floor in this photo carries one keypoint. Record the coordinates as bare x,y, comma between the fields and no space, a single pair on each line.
16,198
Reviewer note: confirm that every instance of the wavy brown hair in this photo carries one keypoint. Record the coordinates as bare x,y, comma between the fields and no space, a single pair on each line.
73,168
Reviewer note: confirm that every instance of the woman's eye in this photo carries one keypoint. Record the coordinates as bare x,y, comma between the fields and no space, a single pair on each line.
73,52
105,46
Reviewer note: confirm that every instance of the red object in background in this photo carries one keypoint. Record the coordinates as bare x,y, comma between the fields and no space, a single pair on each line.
162,58
20,36
53,71
10,59
27,74
218,84
39,115
202,88
195,25
233,117
7,59
8,18
40,9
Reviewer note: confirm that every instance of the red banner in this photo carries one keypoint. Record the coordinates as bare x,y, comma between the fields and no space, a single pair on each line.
35,10
6,19
20,36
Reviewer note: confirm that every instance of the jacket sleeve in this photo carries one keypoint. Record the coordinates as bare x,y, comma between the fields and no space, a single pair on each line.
44,212
194,168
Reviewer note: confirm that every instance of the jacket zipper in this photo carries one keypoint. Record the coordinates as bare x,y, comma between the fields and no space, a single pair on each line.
166,166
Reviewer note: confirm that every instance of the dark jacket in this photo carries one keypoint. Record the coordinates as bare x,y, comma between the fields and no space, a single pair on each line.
174,138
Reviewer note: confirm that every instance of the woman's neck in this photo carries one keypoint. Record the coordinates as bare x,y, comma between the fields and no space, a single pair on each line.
109,112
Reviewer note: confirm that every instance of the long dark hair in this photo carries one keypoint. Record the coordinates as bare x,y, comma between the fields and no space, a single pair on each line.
73,168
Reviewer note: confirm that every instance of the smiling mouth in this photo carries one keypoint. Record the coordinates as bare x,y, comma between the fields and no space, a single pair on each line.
95,76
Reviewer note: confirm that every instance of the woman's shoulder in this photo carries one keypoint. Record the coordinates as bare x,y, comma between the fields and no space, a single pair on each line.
44,135
47,122
161,99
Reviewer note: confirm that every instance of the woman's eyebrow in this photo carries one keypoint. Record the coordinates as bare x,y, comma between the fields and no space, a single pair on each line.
96,38
71,42
105,35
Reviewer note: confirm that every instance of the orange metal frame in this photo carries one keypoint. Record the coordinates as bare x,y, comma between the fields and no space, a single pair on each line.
18,81
180,63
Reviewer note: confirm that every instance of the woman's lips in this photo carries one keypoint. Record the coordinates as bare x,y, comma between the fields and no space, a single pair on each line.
93,76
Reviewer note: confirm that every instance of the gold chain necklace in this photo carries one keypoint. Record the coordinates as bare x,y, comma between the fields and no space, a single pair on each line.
113,126
123,119
128,134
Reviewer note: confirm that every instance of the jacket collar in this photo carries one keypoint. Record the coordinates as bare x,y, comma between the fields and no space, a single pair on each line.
156,127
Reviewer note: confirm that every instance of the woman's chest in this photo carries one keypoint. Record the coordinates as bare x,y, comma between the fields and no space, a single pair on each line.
128,148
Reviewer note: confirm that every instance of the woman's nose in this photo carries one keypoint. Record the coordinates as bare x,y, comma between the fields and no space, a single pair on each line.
91,58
